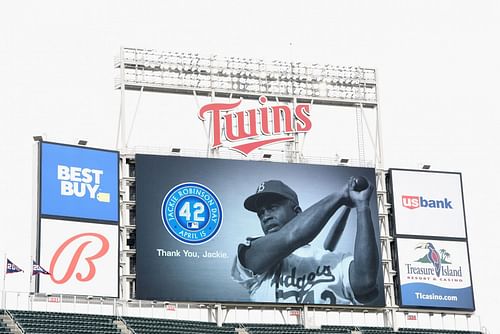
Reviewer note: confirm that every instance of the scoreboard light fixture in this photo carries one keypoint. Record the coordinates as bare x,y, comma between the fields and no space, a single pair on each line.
426,166
38,138
82,142
188,73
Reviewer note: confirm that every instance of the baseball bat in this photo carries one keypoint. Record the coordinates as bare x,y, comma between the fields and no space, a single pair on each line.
333,237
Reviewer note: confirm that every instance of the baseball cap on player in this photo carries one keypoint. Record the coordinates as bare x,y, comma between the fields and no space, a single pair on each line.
271,189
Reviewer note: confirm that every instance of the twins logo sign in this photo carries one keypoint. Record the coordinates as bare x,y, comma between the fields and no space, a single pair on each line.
191,213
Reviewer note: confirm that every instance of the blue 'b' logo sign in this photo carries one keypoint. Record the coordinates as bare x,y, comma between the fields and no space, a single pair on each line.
191,213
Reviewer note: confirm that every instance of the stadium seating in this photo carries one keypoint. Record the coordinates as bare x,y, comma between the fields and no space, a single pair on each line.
164,326
298,329
434,331
3,328
33,322
6,322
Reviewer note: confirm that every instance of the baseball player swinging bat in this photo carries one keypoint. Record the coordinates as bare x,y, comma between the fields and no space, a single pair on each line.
338,227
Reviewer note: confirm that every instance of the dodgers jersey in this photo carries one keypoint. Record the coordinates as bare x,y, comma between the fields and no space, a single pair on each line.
307,276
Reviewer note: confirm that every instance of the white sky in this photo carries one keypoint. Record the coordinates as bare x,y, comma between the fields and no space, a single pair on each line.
437,64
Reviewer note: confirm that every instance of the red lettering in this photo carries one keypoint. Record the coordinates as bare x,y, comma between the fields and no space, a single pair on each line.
76,257
216,108
303,123
410,202
278,112
240,128
264,121
242,125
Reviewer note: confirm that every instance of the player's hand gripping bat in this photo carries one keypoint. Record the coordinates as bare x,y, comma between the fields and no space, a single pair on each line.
333,237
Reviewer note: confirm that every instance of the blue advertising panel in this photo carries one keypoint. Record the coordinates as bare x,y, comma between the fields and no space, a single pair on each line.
434,273
78,182
197,220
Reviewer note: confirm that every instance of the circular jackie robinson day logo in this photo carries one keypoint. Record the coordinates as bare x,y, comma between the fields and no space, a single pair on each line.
191,213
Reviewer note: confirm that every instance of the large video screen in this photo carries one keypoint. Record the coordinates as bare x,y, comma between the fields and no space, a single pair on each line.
78,182
434,274
254,231
81,257
428,203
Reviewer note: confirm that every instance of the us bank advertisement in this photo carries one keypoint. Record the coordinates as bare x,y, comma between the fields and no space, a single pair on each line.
435,274
78,182
197,220
428,203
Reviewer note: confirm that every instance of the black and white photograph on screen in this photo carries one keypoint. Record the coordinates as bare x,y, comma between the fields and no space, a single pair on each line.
282,266
287,233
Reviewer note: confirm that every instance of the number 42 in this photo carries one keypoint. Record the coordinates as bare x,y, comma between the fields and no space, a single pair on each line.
197,211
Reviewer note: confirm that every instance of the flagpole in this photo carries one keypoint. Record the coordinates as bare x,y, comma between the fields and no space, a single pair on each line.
31,275
4,276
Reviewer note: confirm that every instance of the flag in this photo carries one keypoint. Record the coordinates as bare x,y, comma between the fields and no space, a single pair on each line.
37,269
12,268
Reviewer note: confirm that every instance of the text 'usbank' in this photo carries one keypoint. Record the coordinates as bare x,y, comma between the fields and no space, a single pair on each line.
414,202
81,182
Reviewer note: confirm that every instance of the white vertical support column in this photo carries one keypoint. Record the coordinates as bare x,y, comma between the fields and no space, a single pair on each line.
210,313
360,133
379,154
123,191
35,211
121,145
211,152
298,145
218,314
390,316
121,134
293,147
385,248
134,117
395,324
126,205
290,146
4,275
124,269
306,323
